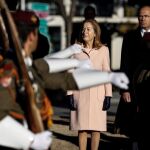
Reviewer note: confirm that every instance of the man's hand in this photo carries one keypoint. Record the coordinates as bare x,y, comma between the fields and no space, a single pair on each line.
5,81
126,97
119,79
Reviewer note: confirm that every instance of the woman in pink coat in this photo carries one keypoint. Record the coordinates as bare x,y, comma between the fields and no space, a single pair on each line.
88,115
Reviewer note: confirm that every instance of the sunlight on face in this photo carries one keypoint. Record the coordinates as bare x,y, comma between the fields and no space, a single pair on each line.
144,18
35,40
88,32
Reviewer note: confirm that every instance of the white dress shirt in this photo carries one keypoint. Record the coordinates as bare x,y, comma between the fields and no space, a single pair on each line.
143,31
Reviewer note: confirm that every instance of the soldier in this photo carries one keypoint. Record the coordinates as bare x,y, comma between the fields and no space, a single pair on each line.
12,115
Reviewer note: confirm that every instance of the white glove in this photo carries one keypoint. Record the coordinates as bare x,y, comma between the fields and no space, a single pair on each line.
68,52
42,141
97,77
75,48
84,64
119,79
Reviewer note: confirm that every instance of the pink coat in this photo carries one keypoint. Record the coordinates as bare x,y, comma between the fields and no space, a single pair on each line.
89,114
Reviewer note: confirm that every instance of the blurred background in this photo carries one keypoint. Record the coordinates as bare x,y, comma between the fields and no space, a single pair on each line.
58,19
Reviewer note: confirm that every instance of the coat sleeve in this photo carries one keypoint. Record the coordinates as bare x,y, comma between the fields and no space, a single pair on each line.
106,67
125,63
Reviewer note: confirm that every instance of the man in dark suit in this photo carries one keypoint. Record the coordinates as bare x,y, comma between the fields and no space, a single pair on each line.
141,87
132,56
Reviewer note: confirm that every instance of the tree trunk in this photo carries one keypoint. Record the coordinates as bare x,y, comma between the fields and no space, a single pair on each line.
67,18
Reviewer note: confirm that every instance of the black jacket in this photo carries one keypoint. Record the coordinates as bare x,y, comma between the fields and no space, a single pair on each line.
132,54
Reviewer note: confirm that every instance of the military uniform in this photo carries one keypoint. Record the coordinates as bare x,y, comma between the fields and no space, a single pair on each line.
8,104
61,80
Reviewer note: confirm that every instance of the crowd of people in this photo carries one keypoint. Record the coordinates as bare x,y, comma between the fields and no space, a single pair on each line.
26,110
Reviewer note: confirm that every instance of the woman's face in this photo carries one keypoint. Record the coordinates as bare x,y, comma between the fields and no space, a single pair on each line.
88,33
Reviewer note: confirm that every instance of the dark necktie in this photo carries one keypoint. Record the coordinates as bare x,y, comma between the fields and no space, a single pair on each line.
146,36
146,39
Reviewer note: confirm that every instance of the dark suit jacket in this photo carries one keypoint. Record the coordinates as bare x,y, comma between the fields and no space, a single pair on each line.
131,57
132,54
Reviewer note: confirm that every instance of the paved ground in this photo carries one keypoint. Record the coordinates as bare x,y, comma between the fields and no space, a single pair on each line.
64,139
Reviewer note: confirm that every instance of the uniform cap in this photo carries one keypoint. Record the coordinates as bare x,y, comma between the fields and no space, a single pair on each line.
28,18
